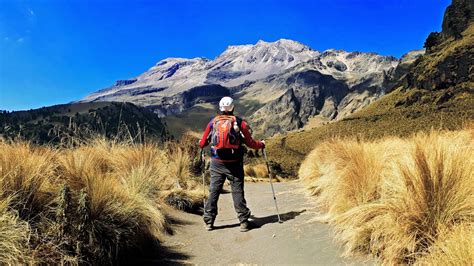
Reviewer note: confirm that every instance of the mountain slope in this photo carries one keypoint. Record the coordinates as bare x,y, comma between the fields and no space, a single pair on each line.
436,92
330,86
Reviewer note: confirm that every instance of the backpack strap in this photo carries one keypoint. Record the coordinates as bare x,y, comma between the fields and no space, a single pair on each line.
209,136
239,123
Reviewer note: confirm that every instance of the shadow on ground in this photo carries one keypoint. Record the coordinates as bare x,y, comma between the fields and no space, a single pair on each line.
261,221
155,254
174,223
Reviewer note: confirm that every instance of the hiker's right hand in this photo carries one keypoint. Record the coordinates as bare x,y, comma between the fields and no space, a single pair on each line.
263,141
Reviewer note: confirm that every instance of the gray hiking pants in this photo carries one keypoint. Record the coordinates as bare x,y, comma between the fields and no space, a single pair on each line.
235,173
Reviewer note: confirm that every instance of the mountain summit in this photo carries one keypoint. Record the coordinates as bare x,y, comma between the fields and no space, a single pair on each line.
236,65
330,84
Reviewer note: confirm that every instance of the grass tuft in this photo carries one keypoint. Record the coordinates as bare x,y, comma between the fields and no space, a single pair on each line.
89,204
401,200
14,236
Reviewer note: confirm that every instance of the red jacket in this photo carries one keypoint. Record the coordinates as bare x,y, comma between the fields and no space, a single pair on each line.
247,139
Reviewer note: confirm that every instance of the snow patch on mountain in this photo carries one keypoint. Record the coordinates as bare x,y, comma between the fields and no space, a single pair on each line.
236,65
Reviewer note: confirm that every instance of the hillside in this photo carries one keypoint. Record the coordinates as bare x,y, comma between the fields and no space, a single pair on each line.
436,92
78,121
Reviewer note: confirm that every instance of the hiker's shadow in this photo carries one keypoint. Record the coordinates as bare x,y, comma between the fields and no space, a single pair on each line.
258,222
261,221
225,226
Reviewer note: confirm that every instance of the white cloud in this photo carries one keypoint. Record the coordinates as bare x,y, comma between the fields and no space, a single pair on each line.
20,40
6,39
31,12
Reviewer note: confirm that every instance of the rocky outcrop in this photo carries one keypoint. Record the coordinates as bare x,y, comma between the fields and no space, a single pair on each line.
457,18
455,69
450,54
394,76
284,116
310,93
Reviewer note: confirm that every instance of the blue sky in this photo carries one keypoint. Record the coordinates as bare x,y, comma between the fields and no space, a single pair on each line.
54,52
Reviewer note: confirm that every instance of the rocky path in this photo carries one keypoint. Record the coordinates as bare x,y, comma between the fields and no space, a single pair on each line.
297,240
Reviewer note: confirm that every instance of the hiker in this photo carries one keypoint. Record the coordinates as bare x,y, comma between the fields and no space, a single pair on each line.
226,133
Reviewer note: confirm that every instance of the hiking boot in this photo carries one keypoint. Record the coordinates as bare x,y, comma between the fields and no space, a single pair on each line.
246,225
209,227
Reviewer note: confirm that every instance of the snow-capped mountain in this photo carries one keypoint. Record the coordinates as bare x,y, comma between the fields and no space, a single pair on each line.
261,73
233,67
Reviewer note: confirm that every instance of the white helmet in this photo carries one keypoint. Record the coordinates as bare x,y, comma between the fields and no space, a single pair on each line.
226,104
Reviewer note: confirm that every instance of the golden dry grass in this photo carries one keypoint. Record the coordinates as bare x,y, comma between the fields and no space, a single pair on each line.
14,235
401,200
453,247
26,174
256,171
89,204
259,173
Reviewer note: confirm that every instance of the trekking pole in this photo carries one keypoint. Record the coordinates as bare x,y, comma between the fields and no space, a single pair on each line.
271,184
203,158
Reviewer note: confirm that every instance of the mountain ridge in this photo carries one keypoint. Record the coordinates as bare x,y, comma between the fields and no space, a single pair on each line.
258,72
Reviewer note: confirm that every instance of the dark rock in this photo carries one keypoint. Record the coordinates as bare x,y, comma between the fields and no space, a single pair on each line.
310,93
457,18
433,40
218,75
146,91
340,66
444,97
410,99
353,55
170,71
124,82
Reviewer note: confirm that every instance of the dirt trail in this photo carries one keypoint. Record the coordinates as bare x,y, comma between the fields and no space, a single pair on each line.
295,241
